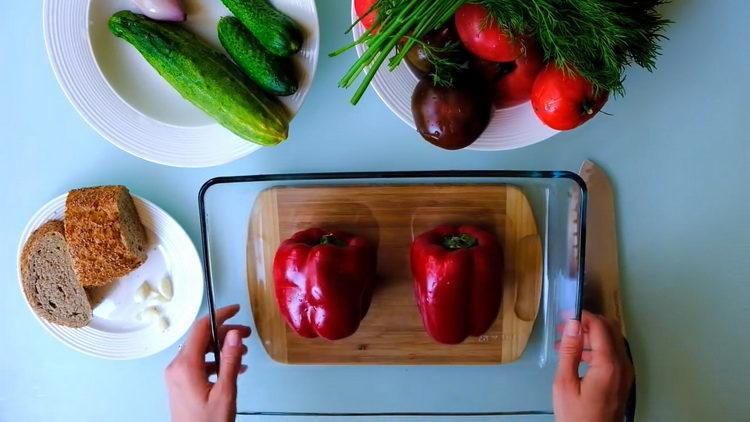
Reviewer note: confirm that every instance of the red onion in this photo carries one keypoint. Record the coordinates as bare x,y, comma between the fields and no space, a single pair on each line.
162,10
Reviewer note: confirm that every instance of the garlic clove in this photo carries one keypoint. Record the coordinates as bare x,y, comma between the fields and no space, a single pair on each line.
153,295
149,314
163,323
166,289
159,298
143,292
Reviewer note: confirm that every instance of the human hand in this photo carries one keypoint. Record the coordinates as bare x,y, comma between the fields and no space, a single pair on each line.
601,395
192,398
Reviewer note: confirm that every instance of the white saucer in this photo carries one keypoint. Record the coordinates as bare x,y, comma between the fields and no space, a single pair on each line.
116,332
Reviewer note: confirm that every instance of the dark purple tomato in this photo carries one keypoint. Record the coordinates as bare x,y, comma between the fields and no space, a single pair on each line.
450,117
444,45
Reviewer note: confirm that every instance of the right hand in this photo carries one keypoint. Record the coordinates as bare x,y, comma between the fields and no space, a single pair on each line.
602,393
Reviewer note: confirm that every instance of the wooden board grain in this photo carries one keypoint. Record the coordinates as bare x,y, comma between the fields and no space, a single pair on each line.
391,216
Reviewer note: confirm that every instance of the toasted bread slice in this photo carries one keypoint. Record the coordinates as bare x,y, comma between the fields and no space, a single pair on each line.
104,233
48,279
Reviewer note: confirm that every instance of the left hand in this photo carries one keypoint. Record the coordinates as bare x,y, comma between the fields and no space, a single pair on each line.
192,398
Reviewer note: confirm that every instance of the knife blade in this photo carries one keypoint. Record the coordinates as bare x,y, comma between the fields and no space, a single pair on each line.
602,277
602,274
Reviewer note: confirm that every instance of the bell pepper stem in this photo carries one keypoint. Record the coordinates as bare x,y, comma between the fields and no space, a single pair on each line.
330,239
459,241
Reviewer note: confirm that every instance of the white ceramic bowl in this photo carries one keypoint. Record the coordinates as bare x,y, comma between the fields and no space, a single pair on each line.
115,332
118,93
510,128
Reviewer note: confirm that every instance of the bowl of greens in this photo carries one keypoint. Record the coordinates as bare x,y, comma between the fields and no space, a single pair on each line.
498,74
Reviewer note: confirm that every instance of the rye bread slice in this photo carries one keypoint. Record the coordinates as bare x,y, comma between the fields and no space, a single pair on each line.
48,279
104,233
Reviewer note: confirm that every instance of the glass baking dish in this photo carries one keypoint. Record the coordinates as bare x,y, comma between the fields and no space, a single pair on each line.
523,387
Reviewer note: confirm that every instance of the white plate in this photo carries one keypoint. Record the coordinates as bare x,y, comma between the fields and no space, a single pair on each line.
115,331
118,93
510,128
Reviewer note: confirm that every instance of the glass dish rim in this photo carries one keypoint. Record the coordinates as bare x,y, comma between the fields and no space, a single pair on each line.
434,174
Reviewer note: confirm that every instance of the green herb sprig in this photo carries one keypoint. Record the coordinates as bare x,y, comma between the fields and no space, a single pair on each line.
596,38
445,62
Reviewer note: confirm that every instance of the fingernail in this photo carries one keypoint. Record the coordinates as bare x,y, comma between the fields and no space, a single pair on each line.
572,328
233,339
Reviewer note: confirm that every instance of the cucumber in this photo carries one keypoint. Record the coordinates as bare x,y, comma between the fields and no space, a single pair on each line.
205,77
272,73
276,31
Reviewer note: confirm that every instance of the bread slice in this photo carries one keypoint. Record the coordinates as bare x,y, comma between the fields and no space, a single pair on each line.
105,235
48,279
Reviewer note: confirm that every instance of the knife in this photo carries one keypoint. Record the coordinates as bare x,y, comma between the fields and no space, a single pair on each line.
601,293
602,277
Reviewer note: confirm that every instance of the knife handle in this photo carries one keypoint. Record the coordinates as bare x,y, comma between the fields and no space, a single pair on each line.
630,405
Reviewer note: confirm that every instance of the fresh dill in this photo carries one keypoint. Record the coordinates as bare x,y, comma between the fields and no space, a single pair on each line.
596,38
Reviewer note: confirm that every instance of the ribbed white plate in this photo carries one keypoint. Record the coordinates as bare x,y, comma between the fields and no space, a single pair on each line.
116,332
118,93
510,128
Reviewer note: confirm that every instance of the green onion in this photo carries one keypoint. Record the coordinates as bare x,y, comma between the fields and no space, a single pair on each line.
396,19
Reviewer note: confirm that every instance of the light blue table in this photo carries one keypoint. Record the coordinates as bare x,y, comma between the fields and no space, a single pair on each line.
676,148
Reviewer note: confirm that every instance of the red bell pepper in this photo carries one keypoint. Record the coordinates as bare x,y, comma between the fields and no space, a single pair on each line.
457,281
324,282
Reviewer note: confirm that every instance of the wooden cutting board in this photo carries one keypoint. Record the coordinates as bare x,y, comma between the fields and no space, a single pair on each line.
392,331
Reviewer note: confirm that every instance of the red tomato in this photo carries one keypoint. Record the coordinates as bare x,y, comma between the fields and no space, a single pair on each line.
514,88
512,81
482,36
565,101
361,7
